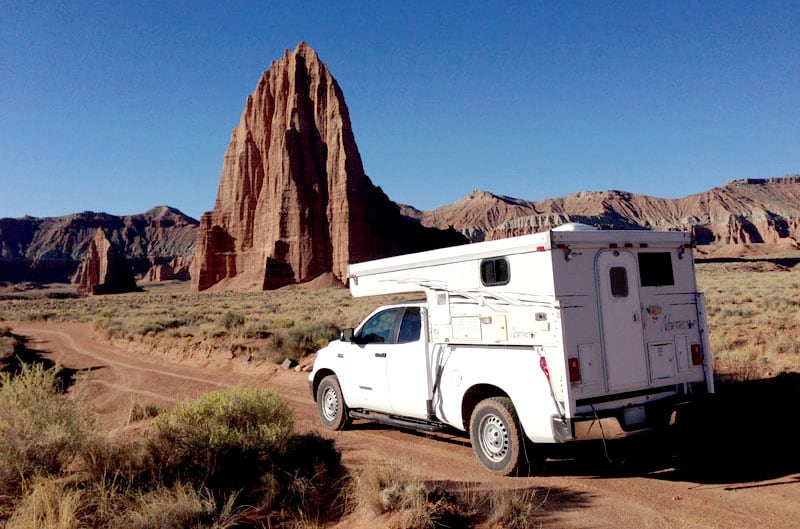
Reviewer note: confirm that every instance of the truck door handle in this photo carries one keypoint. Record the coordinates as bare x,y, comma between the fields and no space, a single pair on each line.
635,317
380,355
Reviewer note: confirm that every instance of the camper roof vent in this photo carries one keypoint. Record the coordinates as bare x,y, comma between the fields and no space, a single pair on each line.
574,226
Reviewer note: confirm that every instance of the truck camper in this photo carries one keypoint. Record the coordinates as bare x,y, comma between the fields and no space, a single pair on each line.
554,337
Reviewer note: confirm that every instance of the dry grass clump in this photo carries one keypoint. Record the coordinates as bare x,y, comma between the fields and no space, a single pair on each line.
413,503
517,509
227,459
49,505
404,502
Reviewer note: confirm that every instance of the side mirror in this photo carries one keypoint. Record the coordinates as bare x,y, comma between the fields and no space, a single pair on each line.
347,335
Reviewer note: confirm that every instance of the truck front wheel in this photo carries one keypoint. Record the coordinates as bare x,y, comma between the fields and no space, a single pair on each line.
330,403
496,436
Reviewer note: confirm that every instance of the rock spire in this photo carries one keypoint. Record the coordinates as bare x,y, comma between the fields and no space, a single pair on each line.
104,270
293,202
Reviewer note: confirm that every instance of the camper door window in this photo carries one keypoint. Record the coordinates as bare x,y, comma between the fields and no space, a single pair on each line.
619,281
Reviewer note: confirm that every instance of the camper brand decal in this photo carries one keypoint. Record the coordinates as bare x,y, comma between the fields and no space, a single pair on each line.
680,325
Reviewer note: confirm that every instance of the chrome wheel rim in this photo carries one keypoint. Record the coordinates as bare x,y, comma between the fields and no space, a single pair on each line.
494,438
330,404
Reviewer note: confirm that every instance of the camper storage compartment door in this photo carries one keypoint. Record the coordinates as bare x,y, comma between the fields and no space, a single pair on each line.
662,361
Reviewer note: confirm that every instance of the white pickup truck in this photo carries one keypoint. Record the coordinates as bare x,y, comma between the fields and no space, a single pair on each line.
546,338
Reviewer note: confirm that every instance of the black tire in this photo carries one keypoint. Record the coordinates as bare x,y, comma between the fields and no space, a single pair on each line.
330,404
497,437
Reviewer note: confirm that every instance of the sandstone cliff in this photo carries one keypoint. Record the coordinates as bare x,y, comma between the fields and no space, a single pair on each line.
293,201
50,249
103,269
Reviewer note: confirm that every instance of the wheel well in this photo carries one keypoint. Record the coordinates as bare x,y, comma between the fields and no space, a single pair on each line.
473,396
322,373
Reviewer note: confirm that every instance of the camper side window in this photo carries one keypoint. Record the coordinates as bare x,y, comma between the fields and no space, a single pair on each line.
655,269
619,281
495,272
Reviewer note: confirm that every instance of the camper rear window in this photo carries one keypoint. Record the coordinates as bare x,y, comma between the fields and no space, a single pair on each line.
655,269
495,272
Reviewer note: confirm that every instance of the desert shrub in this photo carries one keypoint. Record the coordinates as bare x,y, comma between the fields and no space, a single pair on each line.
283,323
10,344
140,412
110,467
41,431
230,320
302,341
309,478
224,437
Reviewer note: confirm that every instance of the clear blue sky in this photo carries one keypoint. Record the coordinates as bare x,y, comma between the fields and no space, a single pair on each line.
120,108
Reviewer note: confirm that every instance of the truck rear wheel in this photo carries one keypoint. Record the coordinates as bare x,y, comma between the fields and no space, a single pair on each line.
330,403
497,437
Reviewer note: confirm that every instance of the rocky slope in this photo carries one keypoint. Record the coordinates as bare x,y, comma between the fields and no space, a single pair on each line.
740,212
294,203
50,249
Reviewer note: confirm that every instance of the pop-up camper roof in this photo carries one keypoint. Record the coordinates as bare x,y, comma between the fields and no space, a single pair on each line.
405,273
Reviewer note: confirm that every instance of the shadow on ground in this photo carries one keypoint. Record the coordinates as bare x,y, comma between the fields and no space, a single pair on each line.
744,434
24,355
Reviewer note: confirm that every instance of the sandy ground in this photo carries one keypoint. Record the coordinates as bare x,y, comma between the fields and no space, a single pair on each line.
581,489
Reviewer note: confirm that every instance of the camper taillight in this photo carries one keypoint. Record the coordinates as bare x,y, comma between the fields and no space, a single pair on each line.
697,354
574,365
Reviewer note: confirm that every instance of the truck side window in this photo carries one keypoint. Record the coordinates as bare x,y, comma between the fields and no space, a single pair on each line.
655,269
495,272
380,327
410,327
618,276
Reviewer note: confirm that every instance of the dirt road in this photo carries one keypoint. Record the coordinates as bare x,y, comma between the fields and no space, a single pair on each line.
582,490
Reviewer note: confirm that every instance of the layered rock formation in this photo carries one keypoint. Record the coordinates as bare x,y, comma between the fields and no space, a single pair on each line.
294,202
50,249
104,270
176,269
740,212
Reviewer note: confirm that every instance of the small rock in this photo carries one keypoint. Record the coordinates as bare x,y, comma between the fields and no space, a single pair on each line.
289,363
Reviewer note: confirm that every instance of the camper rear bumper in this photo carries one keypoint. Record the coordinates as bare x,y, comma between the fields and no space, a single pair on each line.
619,423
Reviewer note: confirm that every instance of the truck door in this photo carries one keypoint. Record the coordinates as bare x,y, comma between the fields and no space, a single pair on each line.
374,340
620,315
406,368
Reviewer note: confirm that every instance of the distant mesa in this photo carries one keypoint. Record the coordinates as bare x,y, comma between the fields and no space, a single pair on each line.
742,212
104,270
50,249
294,203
